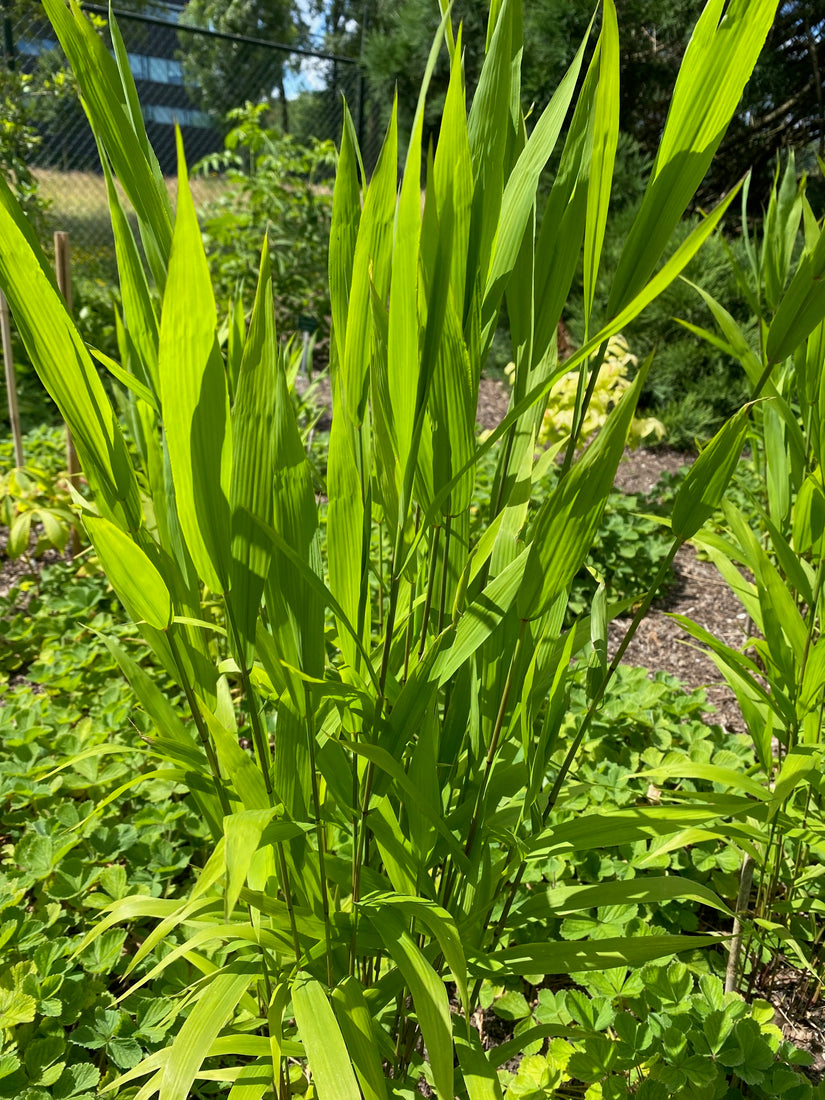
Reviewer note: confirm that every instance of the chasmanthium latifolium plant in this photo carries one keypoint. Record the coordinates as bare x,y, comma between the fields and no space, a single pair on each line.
779,679
377,773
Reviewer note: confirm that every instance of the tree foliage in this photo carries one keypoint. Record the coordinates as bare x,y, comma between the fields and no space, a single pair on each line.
213,65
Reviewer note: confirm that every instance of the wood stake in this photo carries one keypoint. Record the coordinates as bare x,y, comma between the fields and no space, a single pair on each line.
11,381
63,270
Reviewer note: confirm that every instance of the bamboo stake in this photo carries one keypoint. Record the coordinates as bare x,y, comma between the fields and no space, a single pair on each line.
11,381
63,270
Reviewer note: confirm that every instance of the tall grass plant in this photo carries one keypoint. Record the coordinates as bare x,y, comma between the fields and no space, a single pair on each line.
376,738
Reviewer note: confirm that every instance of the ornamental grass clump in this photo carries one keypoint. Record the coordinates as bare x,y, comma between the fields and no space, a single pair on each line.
378,776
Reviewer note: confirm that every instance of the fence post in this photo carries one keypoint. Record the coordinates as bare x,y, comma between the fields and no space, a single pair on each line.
11,381
63,270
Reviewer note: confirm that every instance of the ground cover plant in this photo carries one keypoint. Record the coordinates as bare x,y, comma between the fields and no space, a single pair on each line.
385,779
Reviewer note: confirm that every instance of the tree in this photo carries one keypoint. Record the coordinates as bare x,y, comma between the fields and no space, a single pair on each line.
225,74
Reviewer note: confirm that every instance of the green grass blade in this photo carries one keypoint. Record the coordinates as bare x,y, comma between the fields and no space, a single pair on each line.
132,574
428,993
109,111
194,397
326,1052
64,367
603,157
253,459
356,1023
213,1007
567,522
717,64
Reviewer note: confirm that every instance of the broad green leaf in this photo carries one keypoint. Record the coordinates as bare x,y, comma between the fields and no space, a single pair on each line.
357,1029
132,574
564,958
253,460
700,494
117,127
428,991
718,62
64,366
242,832
326,1052
568,520
194,396
214,1006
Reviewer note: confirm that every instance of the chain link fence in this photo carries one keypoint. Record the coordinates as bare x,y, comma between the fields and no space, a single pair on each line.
185,75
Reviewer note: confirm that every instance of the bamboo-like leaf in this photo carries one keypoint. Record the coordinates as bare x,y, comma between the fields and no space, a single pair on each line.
567,522
637,823
326,1051
131,572
253,460
702,490
520,192
121,134
480,1077
371,265
357,1028
491,131
346,215
802,307
403,343
453,163
242,832
428,993
64,366
605,140
717,64
194,396
138,309
642,890
564,958
213,1007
